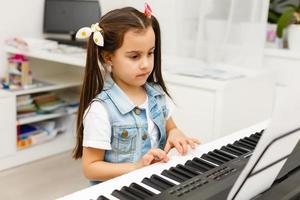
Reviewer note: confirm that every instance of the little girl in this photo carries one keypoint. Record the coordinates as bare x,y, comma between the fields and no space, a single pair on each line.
124,119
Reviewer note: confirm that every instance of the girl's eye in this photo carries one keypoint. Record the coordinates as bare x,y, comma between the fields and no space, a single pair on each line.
151,53
134,57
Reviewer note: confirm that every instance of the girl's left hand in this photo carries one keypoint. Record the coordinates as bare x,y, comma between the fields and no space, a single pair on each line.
178,140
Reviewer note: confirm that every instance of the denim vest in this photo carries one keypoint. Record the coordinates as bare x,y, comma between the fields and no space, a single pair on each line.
130,139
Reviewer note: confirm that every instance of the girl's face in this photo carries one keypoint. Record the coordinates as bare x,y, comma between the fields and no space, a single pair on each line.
133,62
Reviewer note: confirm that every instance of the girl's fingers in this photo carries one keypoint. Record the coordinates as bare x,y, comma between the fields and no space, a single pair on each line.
178,147
167,147
148,158
193,142
159,154
184,146
196,140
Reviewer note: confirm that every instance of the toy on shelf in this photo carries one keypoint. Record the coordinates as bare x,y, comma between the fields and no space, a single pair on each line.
19,72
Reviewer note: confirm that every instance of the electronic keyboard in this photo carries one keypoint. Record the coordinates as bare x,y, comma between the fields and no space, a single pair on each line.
205,173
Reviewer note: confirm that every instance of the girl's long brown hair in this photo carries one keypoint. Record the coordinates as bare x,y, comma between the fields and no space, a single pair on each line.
114,25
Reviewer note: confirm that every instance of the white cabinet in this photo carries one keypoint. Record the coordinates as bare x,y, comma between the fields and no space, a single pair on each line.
7,124
60,74
209,108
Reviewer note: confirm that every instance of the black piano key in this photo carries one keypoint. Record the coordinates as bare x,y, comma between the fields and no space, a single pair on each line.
219,156
172,176
252,140
141,189
231,150
204,163
101,197
195,165
129,193
229,156
161,181
248,146
150,183
181,172
124,195
248,142
242,150
212,159
241,144
258,134
188,169
135,192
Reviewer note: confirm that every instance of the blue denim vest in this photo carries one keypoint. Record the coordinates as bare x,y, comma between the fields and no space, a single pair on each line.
130,139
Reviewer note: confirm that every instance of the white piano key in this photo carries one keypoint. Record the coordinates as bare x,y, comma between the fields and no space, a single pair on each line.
209,162
168,179
228,153
149,188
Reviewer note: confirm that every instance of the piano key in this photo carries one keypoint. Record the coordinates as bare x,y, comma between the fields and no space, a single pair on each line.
208,165
168,179
188,169
231,150
258,134
143,189
242,150
182,172
124,195
150,183
101,197
226,154
196,166
165,183
248,142
242,145
179,173
172,175
135,192
254,137
219,156
129,193
248,146
153,190
212,159
251,139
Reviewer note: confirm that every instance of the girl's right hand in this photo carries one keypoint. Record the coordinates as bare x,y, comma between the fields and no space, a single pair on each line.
152,156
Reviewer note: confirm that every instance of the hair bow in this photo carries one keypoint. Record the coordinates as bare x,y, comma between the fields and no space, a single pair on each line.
148,10
86,32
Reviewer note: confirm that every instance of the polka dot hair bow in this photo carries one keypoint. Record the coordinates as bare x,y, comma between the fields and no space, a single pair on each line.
86,32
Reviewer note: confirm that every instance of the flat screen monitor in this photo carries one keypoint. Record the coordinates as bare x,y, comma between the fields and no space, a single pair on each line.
67,16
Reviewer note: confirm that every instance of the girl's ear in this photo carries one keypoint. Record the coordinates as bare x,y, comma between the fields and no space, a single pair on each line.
107,57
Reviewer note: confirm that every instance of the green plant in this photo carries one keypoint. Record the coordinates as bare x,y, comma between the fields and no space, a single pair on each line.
274,7
290,16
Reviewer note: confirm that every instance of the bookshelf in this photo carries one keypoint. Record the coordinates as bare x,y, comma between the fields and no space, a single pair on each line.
53,72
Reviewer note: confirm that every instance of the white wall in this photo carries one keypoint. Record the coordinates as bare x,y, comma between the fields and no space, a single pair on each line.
177,19
19,18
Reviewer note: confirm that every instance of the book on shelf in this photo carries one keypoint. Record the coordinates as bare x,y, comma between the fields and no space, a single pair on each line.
36,133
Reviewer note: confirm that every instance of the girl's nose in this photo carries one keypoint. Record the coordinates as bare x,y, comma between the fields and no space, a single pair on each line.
145,63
